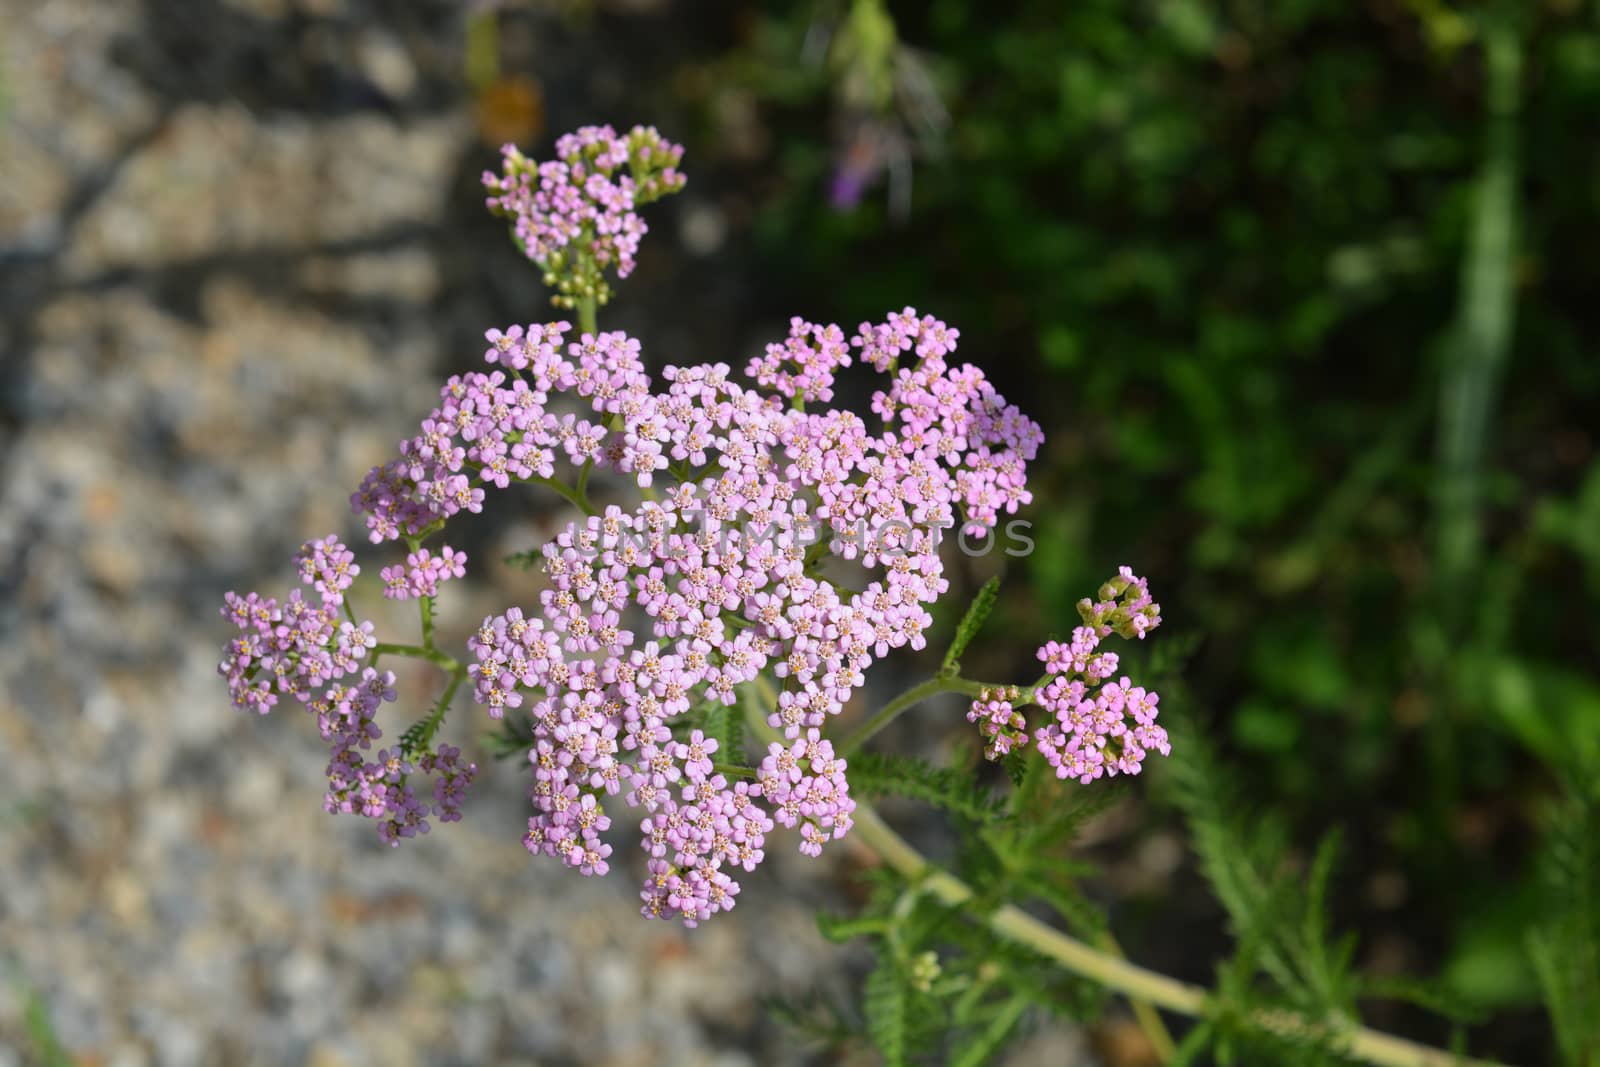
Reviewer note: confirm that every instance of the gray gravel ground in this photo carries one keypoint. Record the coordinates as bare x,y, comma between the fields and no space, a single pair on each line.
219,312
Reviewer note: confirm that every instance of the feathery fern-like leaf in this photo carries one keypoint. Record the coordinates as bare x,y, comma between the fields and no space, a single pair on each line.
978,1048
814,1018
972,622
839,929
1284,923
514,737
884,1004
1565,951
873,774
726,724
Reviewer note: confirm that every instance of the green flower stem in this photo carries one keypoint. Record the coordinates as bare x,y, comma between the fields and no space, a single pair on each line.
424,737
588,307
582,489
890,711
432,655
1104,968
579,500
1130,979
915,695
427,622
1155,1031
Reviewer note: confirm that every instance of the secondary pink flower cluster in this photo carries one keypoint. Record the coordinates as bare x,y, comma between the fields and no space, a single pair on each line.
1109,729
422,573
574,215
813,352
1002,725
657,612
314,653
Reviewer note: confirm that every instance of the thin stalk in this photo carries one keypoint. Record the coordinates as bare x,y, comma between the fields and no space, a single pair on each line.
890,711
913,696
587,315
483,49
582,489
572,496
432,655
1155,1031
431,724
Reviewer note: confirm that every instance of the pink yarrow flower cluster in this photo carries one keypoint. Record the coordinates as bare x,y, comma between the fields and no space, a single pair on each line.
422,572
319,655
670,606
1098,726
658,616
575,215
1003,726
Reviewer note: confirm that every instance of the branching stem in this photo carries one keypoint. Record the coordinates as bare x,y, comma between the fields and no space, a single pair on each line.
1104,968
576,498
432,655
939,683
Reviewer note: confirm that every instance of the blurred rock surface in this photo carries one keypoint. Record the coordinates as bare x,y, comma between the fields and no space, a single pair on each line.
171,887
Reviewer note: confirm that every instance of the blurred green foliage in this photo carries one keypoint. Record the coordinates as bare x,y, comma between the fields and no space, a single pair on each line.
1300,293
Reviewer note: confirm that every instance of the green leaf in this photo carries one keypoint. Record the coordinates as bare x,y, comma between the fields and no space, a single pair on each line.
513,738
977,1049
1327,964
977,614
726,724
41,1031
1078,910
885,1006
1276,919
1483,332
873,774
839,929
1565,951
525,560
1019,768
1067,811
1549,708
1430,996
813,1017
1195,1042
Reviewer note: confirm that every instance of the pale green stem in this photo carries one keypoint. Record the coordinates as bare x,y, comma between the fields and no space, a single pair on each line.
1126,978
436,717
890,711
572,496
911,697
582,488
432,655
1149,1019
1104,968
